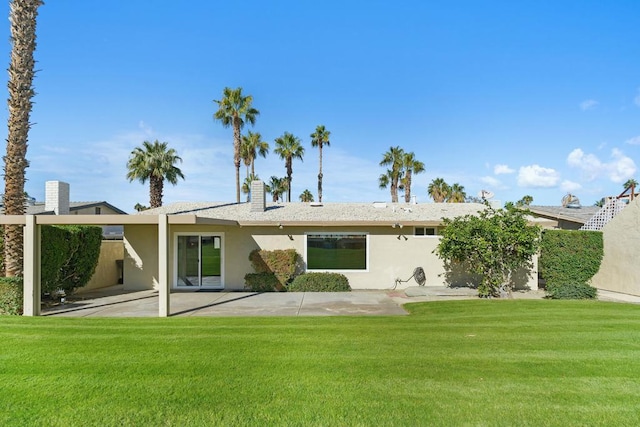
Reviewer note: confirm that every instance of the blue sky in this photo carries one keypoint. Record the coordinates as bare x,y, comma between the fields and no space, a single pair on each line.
539,98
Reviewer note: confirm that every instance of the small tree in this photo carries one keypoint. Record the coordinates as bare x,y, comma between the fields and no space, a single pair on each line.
494,245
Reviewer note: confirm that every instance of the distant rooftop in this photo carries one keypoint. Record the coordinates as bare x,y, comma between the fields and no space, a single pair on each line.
578,215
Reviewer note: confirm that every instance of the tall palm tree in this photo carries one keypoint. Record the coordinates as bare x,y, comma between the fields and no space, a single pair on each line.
629,183
525,201
439,190
252,146
320,138
457,194
235,110
277,186
306,196
394,158
289,147
410,166
154,162
22,17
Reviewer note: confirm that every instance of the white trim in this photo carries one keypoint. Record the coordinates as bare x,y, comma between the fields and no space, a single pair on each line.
367,240
174,284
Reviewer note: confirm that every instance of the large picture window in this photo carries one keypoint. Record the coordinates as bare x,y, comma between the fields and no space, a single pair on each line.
336,251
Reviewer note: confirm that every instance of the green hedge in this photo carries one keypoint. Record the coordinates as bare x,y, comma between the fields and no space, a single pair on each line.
282,263
570,258
11,295
261,282
320,282
69,256
572,291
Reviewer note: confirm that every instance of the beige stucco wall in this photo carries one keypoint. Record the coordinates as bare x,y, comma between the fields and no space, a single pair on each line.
390,258
106,273
140,257
618,271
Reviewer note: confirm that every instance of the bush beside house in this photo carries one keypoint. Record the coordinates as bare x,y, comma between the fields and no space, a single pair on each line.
69,256
568,261
320,282
11,295
274,270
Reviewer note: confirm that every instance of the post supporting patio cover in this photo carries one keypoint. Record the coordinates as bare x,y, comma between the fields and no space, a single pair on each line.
164,303
31,267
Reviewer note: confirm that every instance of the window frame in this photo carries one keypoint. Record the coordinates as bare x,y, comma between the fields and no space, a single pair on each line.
424,228
329,233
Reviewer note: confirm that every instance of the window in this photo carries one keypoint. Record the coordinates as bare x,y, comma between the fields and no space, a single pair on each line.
98,211
336,251
425,231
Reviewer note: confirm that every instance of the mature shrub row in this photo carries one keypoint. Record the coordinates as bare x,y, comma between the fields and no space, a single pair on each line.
282,264
568,261
320,282
69,256
11,295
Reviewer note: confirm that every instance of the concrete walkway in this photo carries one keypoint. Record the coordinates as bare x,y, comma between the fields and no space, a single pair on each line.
115,302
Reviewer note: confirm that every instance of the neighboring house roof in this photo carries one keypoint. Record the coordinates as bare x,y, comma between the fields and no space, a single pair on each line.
38,208
335,214
576,215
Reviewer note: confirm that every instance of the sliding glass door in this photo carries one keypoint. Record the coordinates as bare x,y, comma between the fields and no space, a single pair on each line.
199,261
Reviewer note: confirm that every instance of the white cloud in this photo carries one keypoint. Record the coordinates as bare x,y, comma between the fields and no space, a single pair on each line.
588,104
536,176
502,169
619,169
570,186
590,165
634,141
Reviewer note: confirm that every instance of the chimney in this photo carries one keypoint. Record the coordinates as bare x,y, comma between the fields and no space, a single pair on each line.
57,197
258,197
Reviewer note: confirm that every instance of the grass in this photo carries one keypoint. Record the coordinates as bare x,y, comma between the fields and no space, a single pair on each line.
485,363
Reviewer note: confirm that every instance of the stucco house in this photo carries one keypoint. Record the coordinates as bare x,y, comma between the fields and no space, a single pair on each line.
206,246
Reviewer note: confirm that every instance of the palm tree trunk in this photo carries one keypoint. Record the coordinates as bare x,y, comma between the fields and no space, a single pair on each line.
320,174
407,188
155,191
289,178
236,156
23,15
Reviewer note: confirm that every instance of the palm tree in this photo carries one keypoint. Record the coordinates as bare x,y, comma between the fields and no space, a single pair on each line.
246,185
289,147
306,196
154,162
320,138
394,158
439,190
456,194
251,146
235,110
630,183
277,186
410,166
525,201
22,17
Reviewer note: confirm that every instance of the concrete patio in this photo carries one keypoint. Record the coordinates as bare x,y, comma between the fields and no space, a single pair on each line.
115,302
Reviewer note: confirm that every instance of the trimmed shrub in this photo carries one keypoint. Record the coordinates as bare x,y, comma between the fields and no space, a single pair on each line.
572,291
570,256
11,289
69,256
261,282
320,282
283,263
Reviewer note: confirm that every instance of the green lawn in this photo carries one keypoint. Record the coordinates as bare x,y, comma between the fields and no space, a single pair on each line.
488,363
